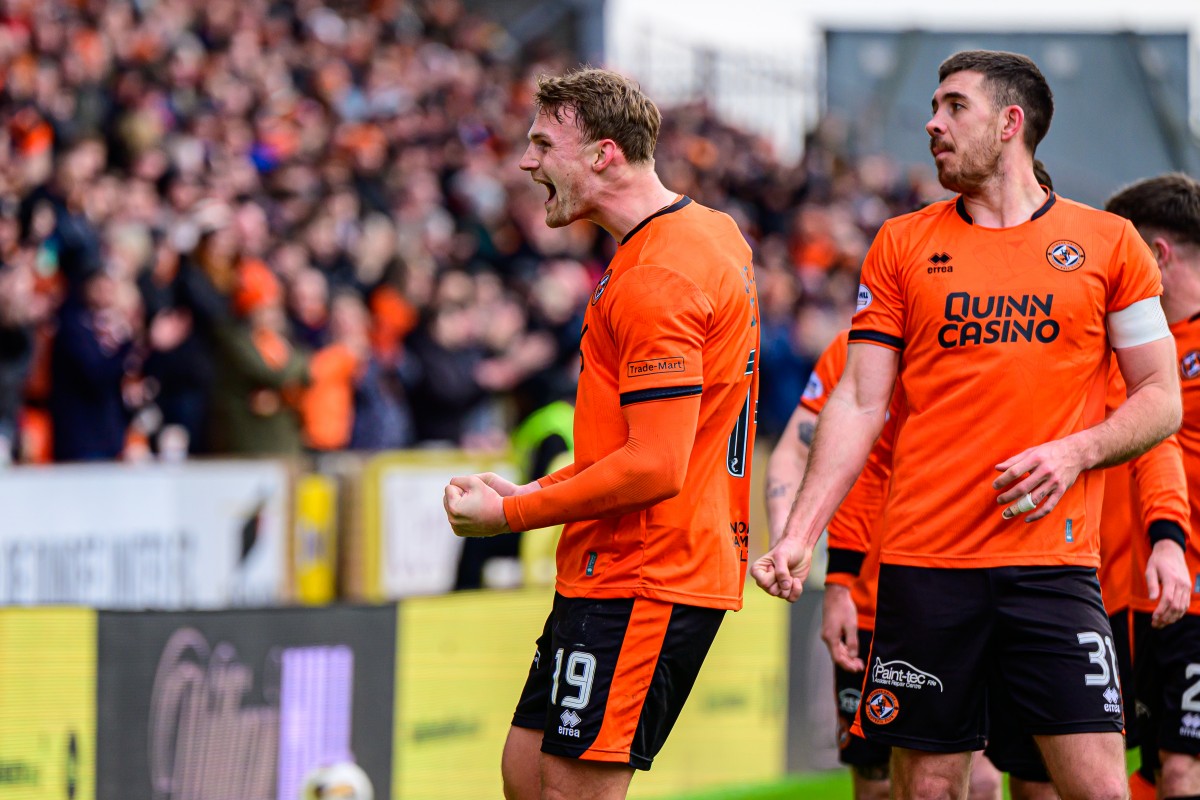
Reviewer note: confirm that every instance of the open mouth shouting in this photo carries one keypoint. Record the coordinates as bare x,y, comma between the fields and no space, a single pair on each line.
551,191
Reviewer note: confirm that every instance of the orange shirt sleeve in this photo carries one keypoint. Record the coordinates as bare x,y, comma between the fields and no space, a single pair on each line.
1134,273
557,476
825,375
648,469
1162,484
880,317
659,321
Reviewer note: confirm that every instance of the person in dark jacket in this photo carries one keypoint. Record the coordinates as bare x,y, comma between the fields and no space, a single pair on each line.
88,365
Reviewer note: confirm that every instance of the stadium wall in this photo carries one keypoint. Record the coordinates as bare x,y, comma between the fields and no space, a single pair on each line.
201,705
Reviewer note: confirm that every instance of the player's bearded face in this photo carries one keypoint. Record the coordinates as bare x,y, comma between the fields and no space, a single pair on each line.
970,162
964,132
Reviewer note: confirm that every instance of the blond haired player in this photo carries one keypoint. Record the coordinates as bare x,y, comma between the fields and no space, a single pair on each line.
656,504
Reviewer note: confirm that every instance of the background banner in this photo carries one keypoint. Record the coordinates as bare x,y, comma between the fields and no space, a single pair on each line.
242,704
463,660
47,704
203,535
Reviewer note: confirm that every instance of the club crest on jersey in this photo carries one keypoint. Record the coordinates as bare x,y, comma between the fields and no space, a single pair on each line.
882,707
1189,365
1065,255
601,286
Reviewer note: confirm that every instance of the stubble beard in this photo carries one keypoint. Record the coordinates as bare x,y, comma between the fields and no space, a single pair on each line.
976,166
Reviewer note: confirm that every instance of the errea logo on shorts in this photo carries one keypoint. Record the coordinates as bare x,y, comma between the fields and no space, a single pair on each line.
569,722
903,675
1112,700
1191,726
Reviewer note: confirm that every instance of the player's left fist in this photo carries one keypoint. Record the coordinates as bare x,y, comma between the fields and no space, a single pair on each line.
474,508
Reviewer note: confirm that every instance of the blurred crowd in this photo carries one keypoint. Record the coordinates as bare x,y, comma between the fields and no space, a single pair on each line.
255,227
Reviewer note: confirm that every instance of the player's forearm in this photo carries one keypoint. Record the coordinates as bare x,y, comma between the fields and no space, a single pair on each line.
648,469
1162,486
845,433
1150,413
785,472
624,482
558,476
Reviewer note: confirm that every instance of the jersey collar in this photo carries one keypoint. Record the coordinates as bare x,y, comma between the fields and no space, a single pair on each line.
960,205
678,204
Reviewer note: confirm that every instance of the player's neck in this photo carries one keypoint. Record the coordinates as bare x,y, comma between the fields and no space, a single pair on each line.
634,197
1010,198
1181,299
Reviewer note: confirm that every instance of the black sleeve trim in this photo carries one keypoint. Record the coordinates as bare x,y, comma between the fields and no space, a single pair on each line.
669,393
1165,529
842,560
878,338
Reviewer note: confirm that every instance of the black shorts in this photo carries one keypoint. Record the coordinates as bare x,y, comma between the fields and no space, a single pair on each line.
1014,751
855,751
1009,747
1167,668
609,677
945,637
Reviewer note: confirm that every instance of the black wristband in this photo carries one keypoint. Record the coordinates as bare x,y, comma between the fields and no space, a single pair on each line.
847,561
1165,529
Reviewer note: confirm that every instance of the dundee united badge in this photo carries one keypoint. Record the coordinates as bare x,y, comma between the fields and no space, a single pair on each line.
1065,255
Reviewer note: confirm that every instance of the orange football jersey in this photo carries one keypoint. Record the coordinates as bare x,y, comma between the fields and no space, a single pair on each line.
1187,347
1004,346
1148,489
674,316
855,524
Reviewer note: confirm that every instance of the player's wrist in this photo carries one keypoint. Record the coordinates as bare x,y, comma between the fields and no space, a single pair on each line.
845,560
1163,530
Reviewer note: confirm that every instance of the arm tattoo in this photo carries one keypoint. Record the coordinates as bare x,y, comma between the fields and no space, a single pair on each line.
806,431
778,490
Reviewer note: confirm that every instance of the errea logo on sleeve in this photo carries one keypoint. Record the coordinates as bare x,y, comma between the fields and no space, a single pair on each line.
656,366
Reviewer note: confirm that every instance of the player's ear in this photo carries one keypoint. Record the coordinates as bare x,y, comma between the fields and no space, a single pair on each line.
1012,120
1162,250
605,154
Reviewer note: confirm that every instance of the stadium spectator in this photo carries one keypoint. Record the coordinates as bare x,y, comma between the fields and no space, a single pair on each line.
260,374
92,352
374,144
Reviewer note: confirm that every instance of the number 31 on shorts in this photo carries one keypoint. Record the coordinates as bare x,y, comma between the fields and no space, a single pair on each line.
1102,656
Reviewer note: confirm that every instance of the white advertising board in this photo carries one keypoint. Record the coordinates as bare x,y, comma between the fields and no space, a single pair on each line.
196,535
413,550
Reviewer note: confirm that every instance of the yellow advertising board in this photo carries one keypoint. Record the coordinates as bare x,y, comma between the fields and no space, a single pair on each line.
315,545
47,704
733,729
463,659
460,664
